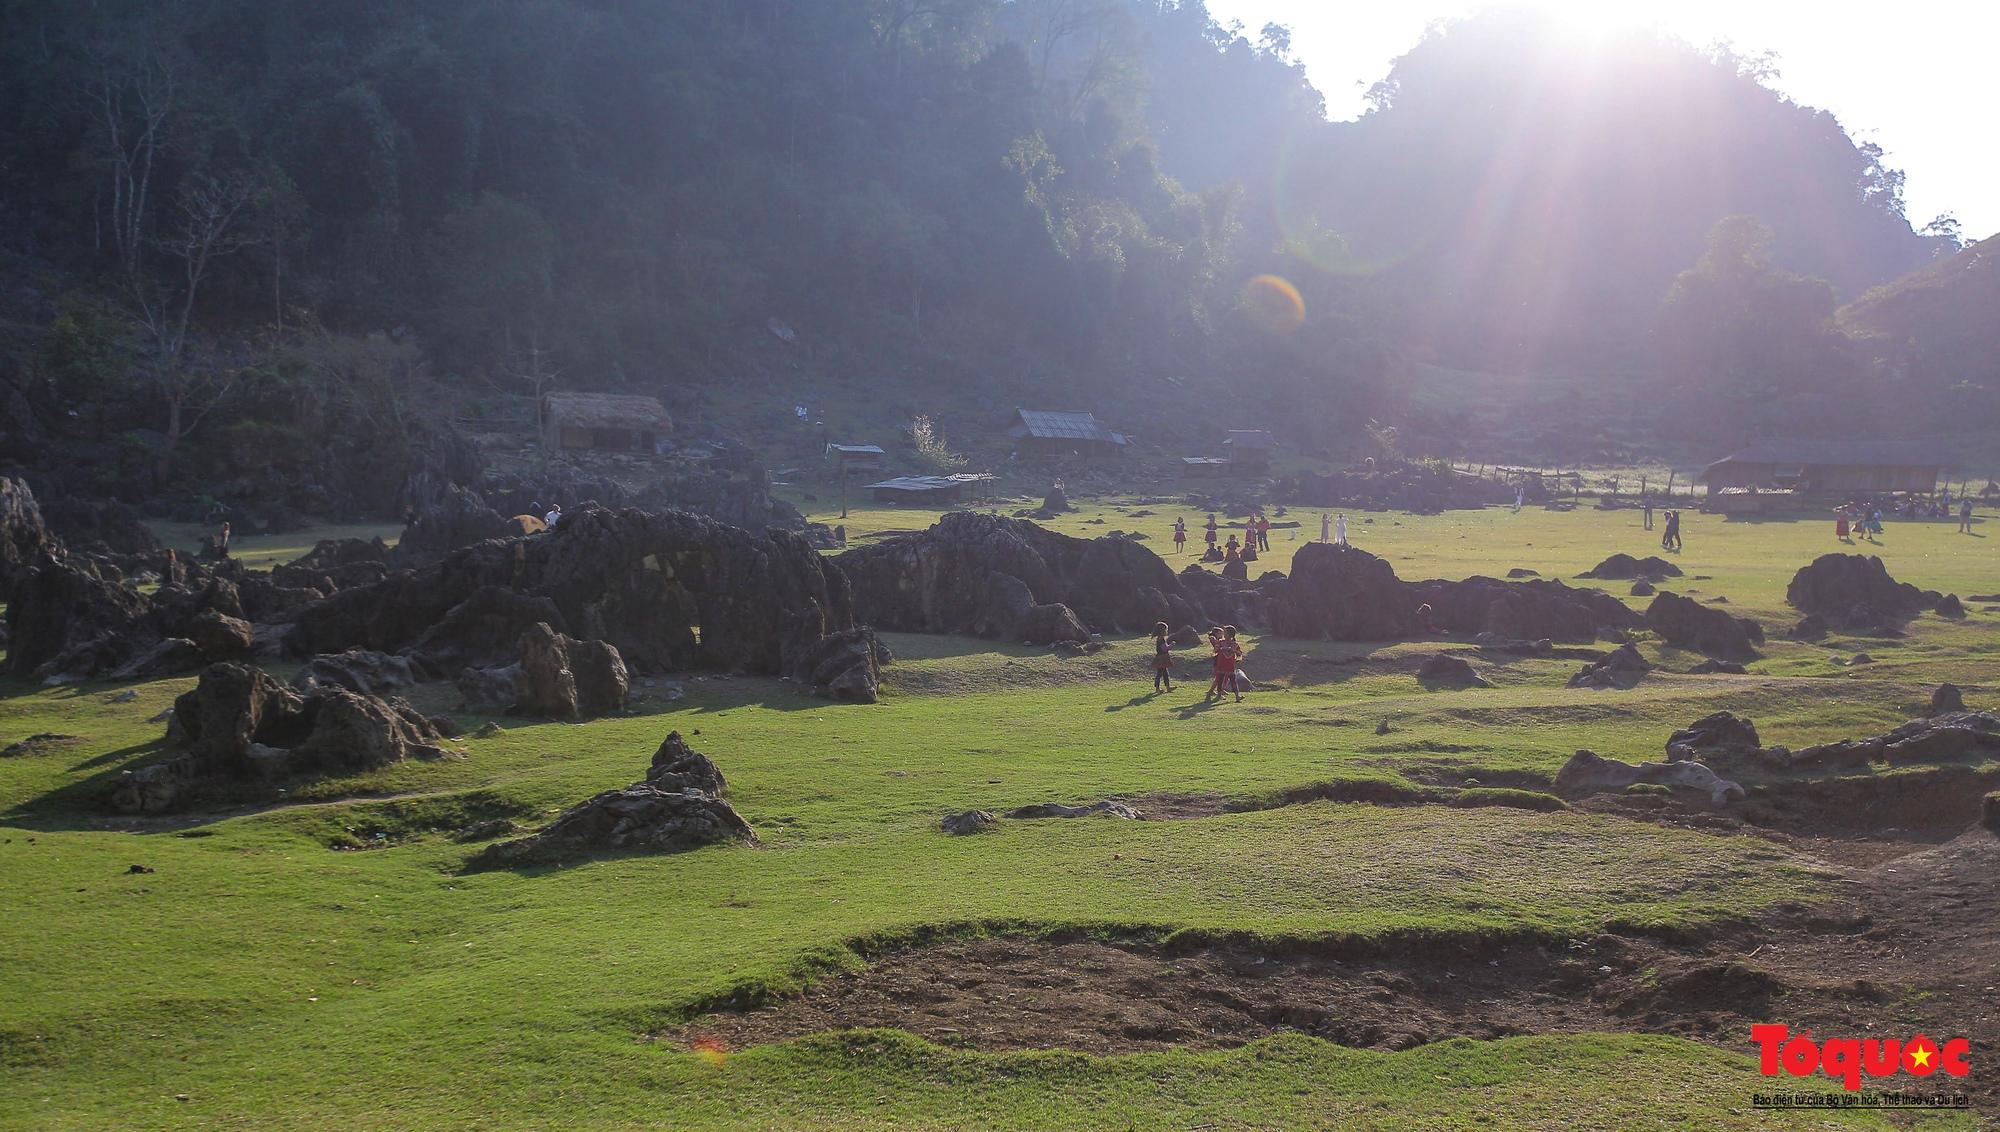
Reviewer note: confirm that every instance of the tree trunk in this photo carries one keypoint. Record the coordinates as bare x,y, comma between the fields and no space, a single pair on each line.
176,407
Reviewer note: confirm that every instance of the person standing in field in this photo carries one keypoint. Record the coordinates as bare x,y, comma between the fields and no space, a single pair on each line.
1648,505
1340,529
1840,523
1227,652
1965,515
1673,537
1180,536
1263,532
1325,527
1208,531
1163,659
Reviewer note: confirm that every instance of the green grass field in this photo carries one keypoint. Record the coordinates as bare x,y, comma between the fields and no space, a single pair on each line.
323,963
261,552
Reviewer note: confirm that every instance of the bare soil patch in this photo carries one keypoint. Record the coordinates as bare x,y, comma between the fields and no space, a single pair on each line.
1909,947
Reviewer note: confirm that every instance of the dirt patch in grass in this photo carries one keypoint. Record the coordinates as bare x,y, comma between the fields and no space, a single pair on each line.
1361,791
1909,948
44,744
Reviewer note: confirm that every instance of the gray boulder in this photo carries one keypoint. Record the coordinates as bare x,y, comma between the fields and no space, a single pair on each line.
640,818
970,821
1590,773
1446,670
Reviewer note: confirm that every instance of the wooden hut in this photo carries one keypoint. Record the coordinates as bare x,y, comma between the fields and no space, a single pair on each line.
1250,449
1043,432
603,422
856,457
1828,467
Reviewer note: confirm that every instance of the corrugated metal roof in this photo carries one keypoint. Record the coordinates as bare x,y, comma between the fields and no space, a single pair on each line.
1065,425
857,449
1251,439
606,410
1838,453
915,483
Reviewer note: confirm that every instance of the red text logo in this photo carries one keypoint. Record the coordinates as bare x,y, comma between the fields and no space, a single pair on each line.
1849,1059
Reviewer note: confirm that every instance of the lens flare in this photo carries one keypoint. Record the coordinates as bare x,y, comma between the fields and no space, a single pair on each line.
1273,303
711,1050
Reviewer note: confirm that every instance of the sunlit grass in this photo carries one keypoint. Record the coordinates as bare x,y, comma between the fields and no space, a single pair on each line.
274,976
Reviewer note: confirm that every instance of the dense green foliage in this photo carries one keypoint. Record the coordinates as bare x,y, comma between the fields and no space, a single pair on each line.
973,198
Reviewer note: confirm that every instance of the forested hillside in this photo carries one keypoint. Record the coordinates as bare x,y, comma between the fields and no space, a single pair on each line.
254,244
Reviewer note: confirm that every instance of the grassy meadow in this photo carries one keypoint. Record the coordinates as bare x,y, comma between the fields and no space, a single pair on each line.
323,962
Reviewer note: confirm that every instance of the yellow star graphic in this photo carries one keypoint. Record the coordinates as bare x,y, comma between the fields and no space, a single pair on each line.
1922,1056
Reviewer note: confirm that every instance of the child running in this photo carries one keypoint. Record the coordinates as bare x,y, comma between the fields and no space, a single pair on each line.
1163,659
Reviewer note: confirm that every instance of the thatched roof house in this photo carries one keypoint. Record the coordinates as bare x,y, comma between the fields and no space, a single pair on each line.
603,422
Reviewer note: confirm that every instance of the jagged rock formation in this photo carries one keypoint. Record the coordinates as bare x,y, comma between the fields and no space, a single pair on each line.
335,564
1719,731
669,591
239,725
1731,742
1856,590
554,677
1947,698
357,670
65,622
1622,667
1344,594
1686,623
25,540
456,518
994,577
676,808
843,666
98,525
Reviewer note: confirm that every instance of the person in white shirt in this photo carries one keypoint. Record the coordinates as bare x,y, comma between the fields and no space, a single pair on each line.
554,515
1340,530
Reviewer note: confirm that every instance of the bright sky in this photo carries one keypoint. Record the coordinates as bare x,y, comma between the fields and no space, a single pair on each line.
1917,77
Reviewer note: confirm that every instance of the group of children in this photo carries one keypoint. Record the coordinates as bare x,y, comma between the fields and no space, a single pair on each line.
1256,539
1228,654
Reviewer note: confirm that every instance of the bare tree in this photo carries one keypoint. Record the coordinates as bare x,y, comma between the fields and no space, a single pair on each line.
211,214
132,99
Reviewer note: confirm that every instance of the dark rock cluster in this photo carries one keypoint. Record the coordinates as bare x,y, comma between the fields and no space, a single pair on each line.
1857,592
987,576
677,807
1344,594
240,727
1623,567
669,590
1622,667
1686,623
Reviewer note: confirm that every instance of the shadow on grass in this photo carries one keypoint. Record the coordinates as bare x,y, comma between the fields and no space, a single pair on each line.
1140,700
